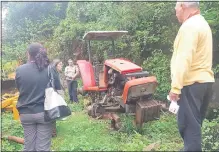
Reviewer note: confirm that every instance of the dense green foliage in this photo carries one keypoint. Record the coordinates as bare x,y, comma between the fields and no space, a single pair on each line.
26,22
151,26
159,65
211,135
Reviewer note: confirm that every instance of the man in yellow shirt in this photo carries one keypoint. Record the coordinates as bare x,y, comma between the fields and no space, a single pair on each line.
191,72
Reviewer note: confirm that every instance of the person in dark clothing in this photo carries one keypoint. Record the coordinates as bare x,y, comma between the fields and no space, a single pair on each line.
31,80
56,68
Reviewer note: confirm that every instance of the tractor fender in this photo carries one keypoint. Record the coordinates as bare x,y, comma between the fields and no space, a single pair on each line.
139,87
87,74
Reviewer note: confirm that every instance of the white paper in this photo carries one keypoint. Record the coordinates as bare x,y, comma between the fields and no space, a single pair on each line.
174,107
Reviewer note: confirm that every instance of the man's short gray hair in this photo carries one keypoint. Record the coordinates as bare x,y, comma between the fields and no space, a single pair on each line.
190,3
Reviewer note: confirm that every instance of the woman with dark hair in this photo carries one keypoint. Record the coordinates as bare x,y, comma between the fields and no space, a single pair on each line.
31,80
56,68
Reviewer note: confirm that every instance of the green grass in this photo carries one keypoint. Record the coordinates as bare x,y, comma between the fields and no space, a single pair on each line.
13,128
79,132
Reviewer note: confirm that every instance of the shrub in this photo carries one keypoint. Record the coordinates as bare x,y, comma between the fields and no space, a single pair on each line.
216,71
210,133
159,65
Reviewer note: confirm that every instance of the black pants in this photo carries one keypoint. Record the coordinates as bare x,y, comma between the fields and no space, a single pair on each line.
72,90
193,104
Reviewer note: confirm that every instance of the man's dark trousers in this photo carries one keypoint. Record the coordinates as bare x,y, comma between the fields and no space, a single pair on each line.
194,100
72,90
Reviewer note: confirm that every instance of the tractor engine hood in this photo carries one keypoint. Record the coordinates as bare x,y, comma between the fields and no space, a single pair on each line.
123,66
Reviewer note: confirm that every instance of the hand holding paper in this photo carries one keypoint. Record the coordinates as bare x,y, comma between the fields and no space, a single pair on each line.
174,107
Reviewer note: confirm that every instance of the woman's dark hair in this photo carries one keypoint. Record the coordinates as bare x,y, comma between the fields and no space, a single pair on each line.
38,54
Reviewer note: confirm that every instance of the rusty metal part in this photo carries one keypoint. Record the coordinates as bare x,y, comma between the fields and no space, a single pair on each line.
164,107
95,110
14,138
115,120
147,111
130,108
113,109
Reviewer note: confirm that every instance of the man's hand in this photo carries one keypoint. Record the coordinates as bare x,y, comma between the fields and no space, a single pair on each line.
173,96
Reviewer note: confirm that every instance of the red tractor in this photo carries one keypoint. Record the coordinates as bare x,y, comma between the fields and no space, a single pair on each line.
118,84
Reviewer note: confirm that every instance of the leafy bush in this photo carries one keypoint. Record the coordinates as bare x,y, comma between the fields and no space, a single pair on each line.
159,65
216,71
213,110
8,67
210,133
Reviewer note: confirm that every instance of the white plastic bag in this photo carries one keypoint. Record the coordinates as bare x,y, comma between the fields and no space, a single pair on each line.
55,106
174,107
53,99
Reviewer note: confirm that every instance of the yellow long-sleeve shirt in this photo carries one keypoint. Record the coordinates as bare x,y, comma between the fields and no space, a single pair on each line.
192,56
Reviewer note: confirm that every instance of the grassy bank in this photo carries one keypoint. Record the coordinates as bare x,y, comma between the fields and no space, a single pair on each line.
80,132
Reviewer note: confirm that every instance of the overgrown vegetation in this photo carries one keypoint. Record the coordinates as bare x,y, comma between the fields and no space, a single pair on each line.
82,133
59,26
152,29
216,71
10,127
211,135
159,65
